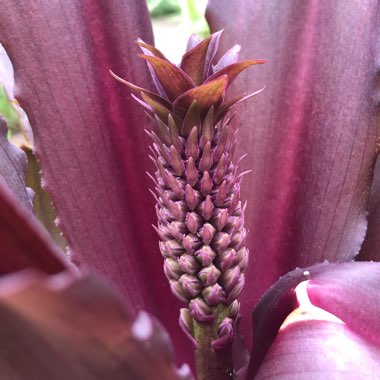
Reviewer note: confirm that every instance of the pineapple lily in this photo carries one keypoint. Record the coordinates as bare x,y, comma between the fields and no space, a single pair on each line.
200,214
311,141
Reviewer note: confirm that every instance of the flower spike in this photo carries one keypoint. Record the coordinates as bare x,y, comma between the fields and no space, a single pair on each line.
201,221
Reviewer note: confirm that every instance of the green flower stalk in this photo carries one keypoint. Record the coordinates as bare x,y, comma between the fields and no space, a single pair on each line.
200,214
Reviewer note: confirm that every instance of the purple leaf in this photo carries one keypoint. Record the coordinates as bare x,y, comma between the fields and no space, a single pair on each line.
24,243
90,137
193,62
174,81
349,291
83,329
233,70
208,94
311,134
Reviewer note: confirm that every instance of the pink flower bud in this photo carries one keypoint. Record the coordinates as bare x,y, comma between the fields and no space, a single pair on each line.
209,275
190,284
205,255
192,197
242,258
191,172
235,292
188,263
206,160
226,259
206,208
207,233
192,148
206,184
220,218
176,161
200,311
221,241
230,278
213,295
193,222
172,269
191,243
221,194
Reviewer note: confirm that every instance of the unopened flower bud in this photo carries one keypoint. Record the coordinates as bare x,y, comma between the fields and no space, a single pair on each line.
192,148
206,184
235,292
205,255
230,278
219,218
172,269
206,208
221,241
242,258
177,229
191,172
186,324
207,233
193,222
179,292
200,311
191,243
226,333
173,248
190,284
178,210
233,310
238,239
174,184
188,263
206,160
221,194
220,170
176,161
192,197
209,275
226,259
213,294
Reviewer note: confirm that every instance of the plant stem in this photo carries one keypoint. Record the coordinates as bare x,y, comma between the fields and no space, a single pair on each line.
212,364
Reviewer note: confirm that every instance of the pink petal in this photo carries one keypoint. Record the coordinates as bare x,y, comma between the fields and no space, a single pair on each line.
62,327
90,137
310,136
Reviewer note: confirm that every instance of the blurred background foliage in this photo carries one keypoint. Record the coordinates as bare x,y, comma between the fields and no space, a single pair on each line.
173,22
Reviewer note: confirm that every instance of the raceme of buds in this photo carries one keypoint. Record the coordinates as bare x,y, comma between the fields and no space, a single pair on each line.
200,215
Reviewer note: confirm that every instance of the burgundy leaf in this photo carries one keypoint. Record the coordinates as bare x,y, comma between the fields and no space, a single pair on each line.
150,48
137,91
90,137
24,243
77,328
311,134
208,94
230,57
193,61
174,81
233,70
